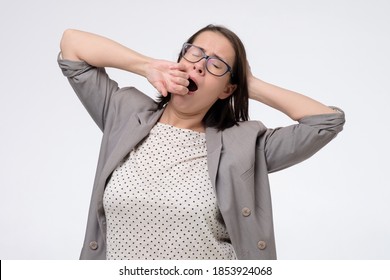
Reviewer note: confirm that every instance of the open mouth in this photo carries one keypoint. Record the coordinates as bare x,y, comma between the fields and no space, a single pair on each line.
192,86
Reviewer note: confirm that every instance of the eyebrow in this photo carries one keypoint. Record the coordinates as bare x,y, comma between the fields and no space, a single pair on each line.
214,55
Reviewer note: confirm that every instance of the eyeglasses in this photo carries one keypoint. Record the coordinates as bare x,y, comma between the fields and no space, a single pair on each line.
214,64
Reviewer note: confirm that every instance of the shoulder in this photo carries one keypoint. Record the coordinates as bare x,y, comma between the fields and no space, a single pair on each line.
130,98
244,134
128,102
246,128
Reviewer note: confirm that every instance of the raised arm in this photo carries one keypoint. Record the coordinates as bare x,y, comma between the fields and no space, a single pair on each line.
100,51
293,104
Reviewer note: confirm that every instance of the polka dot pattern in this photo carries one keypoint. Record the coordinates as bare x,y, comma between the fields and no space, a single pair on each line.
160,203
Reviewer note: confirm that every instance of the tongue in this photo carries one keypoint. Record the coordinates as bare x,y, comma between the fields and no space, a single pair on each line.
192,86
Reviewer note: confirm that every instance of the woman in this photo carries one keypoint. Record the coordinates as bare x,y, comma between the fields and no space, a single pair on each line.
187,177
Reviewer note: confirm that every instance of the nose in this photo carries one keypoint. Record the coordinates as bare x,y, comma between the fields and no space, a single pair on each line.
200,66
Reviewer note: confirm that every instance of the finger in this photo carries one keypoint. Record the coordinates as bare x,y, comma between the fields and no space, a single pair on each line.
178,66
178,89
180,81
178,73
161,89
179,85
164,92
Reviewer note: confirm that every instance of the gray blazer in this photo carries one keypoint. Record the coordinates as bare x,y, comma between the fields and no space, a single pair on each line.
239,158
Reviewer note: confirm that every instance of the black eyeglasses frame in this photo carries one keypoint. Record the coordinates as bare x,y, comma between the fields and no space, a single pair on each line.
207,57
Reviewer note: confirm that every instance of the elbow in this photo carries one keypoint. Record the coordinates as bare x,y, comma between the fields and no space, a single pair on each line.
66,37
67,44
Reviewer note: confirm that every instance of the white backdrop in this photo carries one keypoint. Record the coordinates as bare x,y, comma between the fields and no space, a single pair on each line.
335,205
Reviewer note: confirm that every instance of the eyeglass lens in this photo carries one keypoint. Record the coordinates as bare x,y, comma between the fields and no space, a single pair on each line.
213,64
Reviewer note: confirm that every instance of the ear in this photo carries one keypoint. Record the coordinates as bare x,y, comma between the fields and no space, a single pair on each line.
229,89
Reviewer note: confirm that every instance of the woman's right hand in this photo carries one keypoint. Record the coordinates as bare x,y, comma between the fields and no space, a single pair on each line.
100,51
167,77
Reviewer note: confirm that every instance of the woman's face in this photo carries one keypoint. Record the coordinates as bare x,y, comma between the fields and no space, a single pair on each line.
210,88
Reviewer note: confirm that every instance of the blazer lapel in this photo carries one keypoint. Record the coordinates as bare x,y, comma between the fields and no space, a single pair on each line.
138,127
214,148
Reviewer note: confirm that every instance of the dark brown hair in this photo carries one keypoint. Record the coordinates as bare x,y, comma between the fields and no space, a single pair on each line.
225,113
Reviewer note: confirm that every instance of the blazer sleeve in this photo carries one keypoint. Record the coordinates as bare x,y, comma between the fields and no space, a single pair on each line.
286,146
92,85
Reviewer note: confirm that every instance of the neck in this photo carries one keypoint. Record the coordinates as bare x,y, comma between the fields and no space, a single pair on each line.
180,120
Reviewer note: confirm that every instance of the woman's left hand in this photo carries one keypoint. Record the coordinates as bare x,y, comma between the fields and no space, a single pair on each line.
293,104
250,80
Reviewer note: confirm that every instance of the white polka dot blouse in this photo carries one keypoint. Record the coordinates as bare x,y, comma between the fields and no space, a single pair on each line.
160,204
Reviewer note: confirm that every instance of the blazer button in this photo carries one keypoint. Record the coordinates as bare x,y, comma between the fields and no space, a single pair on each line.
246,211
93,245
261,245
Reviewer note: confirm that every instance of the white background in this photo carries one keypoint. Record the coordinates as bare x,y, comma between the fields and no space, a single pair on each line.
335,205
